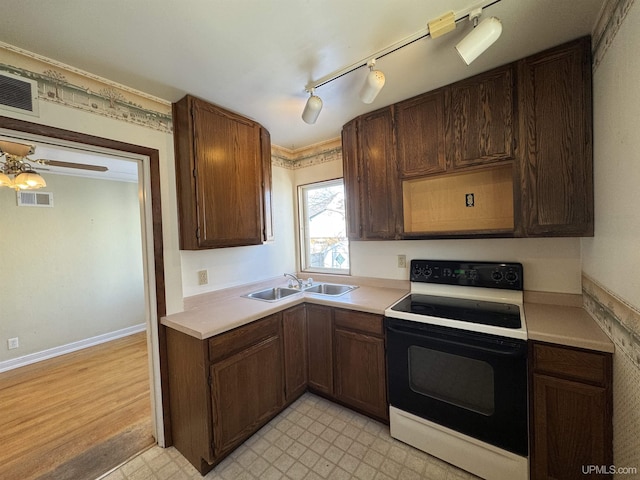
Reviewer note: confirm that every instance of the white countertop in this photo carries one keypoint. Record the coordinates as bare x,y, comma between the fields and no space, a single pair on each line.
565,325
217,312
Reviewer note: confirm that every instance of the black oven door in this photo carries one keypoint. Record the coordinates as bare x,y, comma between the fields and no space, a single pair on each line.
471,382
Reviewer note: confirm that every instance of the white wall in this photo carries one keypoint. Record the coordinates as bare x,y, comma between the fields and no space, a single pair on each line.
612,256
73,271
549,264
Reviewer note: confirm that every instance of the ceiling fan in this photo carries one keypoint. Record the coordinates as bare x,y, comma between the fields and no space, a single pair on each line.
16,158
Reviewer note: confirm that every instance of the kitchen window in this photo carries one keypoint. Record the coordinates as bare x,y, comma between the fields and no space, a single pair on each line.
323,230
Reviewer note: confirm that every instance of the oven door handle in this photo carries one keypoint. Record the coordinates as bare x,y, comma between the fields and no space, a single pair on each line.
510,350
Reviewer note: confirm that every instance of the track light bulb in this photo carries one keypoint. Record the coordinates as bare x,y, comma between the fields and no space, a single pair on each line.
312,108
479,39
372,84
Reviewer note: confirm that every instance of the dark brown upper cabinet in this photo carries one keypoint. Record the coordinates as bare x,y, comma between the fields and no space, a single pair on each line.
556,131
223,164
420,134
351,179
371,158
506,153
480,120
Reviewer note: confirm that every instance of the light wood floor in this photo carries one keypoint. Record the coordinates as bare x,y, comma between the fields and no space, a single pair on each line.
78,415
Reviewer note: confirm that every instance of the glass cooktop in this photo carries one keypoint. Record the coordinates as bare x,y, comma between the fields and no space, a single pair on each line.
475,311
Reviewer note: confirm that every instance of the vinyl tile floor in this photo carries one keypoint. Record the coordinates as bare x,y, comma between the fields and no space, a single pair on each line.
312,439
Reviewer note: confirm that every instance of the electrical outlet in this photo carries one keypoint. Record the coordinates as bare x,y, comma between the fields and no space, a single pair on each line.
13,343
402,261
203,277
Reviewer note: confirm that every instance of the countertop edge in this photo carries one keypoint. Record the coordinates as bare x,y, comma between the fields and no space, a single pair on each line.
196,321
560,320
565,325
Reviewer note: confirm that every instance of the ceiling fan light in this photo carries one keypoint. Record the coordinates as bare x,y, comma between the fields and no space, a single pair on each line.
16,149
29,181
479,39
372,86
5,180
312,109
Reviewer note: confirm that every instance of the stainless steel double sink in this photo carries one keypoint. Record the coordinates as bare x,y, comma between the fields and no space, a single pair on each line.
278,293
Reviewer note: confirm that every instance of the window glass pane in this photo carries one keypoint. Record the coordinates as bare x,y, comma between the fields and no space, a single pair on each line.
324,238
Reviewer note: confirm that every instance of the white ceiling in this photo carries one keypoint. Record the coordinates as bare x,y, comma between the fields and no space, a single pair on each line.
256,56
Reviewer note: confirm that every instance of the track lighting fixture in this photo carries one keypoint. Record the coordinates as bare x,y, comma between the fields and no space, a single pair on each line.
312,108
483,35
372,84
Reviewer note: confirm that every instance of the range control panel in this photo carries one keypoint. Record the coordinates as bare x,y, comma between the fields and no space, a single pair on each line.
471,274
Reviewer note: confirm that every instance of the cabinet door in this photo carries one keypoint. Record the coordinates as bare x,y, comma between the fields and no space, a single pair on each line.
351,179
294,333
228,172
380,184
557,168
360,372
267,209
246,392
320,348
481,118
420,131
570,425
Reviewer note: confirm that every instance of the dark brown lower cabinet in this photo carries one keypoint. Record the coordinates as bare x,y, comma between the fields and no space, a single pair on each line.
360,367
246,391
320,345
294,333
571,412
223,389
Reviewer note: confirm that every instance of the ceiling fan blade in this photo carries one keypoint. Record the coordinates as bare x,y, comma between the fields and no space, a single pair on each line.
81,166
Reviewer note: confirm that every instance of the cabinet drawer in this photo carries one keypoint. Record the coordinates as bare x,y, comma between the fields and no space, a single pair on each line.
228,343
363,322
583,365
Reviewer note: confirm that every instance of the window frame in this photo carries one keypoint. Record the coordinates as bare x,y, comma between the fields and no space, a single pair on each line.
303,236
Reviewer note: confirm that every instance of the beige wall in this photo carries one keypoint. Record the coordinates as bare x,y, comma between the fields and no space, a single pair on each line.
611,259
612,256
73,271
226,267
79,121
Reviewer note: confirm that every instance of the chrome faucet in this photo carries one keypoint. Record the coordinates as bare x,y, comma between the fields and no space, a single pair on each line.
295,278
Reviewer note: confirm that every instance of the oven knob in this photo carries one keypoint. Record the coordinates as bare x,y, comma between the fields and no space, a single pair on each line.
511,277
427,271
497,276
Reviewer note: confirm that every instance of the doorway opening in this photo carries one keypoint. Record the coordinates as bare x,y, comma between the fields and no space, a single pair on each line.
147,161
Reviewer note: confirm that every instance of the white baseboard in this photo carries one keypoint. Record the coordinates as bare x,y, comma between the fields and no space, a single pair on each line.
69,347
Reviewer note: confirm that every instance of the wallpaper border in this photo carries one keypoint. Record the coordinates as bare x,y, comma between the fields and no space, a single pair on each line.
68,86
619,320
611,17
